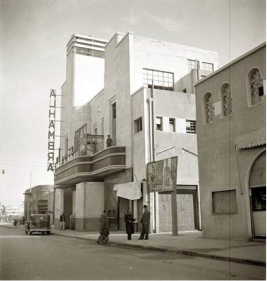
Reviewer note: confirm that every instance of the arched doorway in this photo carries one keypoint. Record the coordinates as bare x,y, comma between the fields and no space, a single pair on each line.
257,188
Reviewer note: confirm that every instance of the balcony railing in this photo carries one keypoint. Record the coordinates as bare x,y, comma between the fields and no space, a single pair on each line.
88,145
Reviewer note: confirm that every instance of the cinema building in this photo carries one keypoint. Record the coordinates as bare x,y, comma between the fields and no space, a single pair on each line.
231,127
108,91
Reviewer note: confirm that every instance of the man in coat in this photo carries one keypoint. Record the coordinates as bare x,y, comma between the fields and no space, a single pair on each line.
62,221
145,220
104,228
128,218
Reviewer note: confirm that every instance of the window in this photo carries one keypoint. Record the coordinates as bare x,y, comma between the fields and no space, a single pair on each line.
102,126
114,111
80,140
193,64
190,127
138,125
207,66
98,54
162,80
224,202
226,99
256,86
89,52
171,125
258,196
209,108
66,145
159,125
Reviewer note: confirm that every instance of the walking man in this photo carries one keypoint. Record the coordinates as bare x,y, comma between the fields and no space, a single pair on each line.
104,229
62,222
145,220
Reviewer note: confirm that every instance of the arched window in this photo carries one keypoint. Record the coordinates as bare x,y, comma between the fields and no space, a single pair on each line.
209,108
256,86
226,99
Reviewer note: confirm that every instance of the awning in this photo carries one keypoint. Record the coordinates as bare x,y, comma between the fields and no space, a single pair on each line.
251,144
129,190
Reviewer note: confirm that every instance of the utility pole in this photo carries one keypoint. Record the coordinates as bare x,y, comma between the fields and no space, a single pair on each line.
153,148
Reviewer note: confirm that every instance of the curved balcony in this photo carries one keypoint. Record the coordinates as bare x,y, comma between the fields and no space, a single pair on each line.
86,168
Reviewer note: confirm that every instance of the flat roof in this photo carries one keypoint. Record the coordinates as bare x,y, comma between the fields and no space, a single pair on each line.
230,63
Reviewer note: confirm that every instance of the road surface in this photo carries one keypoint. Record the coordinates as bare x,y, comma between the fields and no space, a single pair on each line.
51,257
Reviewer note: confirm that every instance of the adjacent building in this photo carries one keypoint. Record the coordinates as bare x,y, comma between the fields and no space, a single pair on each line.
147,106
231,134
39,200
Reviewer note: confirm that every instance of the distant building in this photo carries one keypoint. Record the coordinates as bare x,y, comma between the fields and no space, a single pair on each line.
88,168
39,200
14,211
231,134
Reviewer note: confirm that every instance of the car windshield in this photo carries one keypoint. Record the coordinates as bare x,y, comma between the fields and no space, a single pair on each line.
38,219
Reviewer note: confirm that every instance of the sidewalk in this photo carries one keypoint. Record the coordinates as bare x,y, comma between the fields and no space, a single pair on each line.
186,243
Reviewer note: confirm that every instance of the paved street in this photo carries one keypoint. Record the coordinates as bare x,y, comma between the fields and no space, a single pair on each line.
54,257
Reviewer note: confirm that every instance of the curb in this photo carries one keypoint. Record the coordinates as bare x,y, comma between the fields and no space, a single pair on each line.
179,252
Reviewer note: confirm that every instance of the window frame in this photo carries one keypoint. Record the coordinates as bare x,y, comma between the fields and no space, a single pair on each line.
205,108
174,124
195,64
161,123
207,64
190,130
138,125
249,90
163,80
223,86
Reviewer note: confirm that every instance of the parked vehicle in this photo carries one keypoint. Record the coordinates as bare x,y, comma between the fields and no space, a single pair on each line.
38,223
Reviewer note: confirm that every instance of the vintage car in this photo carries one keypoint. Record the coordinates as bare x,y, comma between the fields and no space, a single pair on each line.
38,223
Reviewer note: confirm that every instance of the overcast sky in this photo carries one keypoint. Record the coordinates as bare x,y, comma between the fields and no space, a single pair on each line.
33,38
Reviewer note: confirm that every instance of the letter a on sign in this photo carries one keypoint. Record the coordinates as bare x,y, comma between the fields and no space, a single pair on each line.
52,93
50,167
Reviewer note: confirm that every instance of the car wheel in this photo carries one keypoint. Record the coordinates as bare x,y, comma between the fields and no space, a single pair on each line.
30,233
26,232
48,232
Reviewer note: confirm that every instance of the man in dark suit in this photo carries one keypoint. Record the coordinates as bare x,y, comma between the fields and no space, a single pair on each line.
145,220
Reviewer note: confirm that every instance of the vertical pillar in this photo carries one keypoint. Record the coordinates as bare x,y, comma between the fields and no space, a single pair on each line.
79,216
174,213
59,206
199,208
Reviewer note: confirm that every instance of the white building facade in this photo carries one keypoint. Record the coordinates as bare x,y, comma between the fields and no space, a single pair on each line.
88,169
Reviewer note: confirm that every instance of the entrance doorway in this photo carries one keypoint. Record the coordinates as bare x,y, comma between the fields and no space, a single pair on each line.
258,206
257,186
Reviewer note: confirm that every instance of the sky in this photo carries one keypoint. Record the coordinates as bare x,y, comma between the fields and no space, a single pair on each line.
33,39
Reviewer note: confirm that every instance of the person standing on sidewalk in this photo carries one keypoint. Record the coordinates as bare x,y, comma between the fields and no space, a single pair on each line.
62,222
128,218
104,228
145,220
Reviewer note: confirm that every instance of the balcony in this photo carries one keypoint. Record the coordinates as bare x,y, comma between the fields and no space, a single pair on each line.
90,162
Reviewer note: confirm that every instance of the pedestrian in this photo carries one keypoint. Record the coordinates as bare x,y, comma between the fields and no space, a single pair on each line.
62,222
129,225
109,141
145,220
104,229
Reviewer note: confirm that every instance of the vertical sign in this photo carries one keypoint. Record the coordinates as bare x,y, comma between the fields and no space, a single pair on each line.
51,131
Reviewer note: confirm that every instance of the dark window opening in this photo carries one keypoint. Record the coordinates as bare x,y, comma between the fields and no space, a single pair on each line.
138,125
159,126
